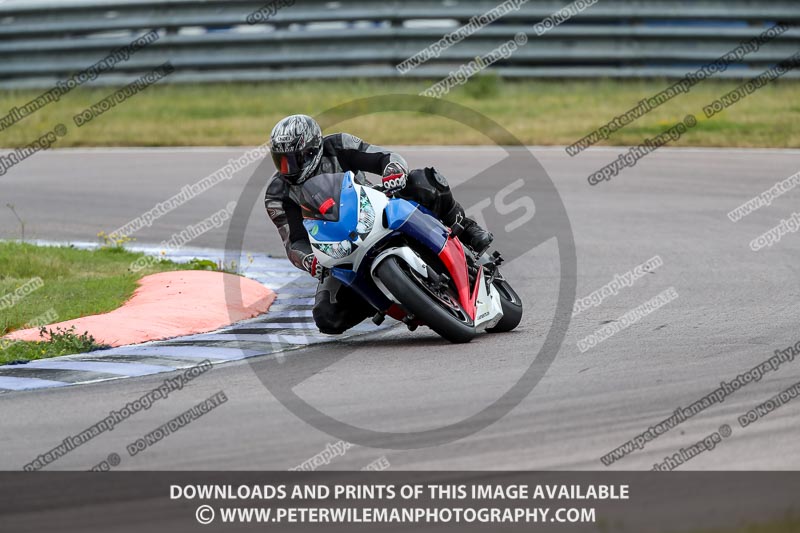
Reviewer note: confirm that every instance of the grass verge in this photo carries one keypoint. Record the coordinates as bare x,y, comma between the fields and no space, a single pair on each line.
40,285
544,112
59,342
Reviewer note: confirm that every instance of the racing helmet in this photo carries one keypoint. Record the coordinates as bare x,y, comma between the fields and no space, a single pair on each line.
296,147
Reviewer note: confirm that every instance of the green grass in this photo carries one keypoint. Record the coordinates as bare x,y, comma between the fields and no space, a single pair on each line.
75,283
59,342
537,112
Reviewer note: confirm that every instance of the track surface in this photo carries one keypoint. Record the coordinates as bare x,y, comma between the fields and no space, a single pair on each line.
735,307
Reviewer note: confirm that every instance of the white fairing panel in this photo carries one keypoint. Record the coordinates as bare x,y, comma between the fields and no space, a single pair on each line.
488,309
408,256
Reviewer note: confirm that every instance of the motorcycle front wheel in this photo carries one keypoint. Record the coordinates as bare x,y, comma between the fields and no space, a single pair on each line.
436,308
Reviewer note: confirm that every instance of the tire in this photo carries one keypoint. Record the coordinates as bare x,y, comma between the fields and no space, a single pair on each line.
396,276
512,307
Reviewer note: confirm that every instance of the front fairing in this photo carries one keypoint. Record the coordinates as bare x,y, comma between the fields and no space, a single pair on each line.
338,233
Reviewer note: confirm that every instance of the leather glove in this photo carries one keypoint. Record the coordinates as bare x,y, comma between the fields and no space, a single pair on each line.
394,178
314,268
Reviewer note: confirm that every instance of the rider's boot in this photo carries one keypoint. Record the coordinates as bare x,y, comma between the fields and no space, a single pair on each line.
472,234
475,236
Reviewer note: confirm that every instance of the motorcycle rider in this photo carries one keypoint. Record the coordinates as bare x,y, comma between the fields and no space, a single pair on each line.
300,152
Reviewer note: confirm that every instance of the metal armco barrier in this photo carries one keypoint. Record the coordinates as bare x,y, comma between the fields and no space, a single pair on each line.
211,41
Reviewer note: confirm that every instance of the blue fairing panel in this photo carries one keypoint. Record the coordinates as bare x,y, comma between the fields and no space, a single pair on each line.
398,211
406,217
344,275
366,289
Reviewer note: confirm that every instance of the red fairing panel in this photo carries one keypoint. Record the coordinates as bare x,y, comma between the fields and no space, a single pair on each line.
452,255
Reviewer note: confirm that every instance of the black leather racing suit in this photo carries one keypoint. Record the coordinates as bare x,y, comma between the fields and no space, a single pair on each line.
337,308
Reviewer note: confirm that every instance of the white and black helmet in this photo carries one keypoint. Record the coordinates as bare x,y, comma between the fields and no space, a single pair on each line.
296,147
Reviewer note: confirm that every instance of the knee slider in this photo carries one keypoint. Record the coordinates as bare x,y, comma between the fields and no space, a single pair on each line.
328,323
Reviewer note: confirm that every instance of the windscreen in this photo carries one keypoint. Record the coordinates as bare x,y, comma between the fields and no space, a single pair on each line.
321,195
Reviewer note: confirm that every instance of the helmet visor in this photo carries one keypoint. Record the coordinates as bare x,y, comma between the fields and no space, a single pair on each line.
292,164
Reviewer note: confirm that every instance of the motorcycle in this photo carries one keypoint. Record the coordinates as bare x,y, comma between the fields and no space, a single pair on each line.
404,262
